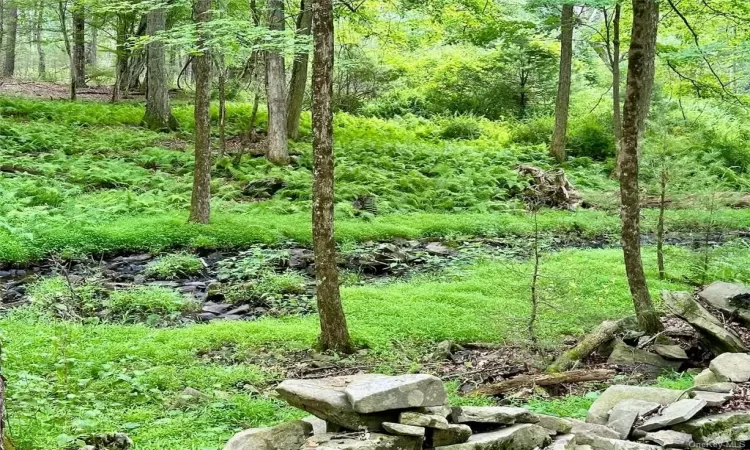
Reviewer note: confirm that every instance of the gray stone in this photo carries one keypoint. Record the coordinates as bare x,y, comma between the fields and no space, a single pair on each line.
501,415
719,428
678,412
721,388
370,441
423,420
713,399
558,425
670,351
670,439
386,393
319,426
288,436
586,431
728,297
733,367
602,443
454,434
720,339
706,377
189,397
624,415
599,411
563,442
444,410
325,398
623,354
399,429
583,447
517,437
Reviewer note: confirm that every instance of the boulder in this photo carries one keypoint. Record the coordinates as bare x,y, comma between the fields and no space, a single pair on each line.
719,339
325,398
623,354
288,436
706,377
599,411
670,351
626,413
730,298
721,388
719,428
400,429
362,441
678,412
499,415
454,434
444,410
586,431
189,397
733,367
602,443
319,426
423,420
557,425
563,442
670,439
369,395
517,437
713,399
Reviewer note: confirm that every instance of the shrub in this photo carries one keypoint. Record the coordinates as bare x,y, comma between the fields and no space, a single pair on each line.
140,302
173,266
56,296
591,136
536,131
462,127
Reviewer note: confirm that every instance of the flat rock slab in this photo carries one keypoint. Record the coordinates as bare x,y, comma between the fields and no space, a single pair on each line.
670,351
601,443
625,355
733,367
728,297
423,420
626,413
563,442
398,392
718,429
558,425
586,432
724,387
500,415
517,437
599,411
706,377
712,399
372,441
288,436
670,439
678,412
454,434
399,429
325,398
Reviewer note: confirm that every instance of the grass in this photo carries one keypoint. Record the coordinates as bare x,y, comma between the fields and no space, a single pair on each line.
173,266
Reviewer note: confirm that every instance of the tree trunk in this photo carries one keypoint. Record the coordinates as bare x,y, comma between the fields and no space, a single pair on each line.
554,379
299,73
604,333
616,108
38,38
200,206
637,99
79,45
92,54
334,333
276,87
9,68
222,110
158,116
562,103
664,179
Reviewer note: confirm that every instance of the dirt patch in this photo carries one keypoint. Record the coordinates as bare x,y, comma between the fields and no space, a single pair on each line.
54,91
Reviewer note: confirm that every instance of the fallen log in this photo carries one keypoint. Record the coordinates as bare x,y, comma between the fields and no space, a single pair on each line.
546,379
600,336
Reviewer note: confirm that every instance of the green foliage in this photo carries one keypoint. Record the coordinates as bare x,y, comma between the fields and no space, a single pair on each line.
150,303
174,266
58,296
461,128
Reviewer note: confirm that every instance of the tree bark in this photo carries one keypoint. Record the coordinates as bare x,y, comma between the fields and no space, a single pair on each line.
276,87
616,108
79,45
158,116
664,179
11,17
604,333
38,38
334,333
92,53
299,73
562,104
640,84
222,110
575,376
200,206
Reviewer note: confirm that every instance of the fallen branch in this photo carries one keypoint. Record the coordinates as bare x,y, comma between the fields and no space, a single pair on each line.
575,376
600,336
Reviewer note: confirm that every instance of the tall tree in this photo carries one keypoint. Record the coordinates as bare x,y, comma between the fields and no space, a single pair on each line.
158,114
11,33
616,108
299,73
79,44
276,90
38,39
334,332
641,69
92,53
562,104
200,205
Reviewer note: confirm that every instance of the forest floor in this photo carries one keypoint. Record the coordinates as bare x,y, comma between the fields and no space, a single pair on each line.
105,282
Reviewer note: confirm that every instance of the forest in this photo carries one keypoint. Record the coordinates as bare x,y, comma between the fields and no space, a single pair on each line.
374,225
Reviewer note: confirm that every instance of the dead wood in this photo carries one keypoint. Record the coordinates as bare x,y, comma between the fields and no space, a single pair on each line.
547,379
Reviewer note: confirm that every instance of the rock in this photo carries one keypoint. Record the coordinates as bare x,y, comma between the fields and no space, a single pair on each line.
601,443
721,388
423,420
583,447
319,426
436,248
107,441
443,411
238,311
206,317
705,377
400,392
720,339
586,431
563,442
713,399
517,437
733,299
719,428
678,412
189,397
288,436
670,439
325,398
399,429
599,411
626,413
623,354
733,367
443,350
558,425
370,441
501,415
454,434
670,351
